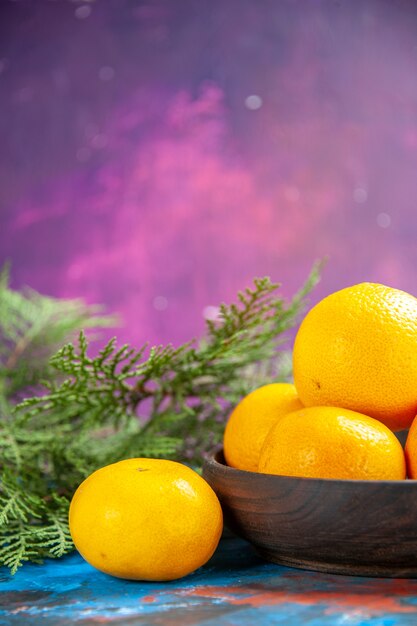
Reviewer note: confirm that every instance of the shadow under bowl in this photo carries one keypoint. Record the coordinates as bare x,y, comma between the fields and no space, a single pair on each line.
355,527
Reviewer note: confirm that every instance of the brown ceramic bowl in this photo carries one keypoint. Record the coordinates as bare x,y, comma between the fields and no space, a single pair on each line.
357,527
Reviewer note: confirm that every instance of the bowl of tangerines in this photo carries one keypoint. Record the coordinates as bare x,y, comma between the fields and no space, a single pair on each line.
313,473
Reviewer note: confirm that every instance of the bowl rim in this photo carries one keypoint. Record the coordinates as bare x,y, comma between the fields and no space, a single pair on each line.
211,458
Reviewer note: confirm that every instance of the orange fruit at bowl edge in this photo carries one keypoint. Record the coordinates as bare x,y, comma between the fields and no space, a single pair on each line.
251,420
411,450
357,348
145,519
330,442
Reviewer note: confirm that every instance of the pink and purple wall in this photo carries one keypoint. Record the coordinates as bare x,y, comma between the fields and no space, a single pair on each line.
156,156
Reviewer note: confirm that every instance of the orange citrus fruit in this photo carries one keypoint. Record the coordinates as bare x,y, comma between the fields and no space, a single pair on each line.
329,442
145,519
357,348
411,450
251,420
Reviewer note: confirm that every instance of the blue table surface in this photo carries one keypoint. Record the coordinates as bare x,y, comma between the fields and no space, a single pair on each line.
235,587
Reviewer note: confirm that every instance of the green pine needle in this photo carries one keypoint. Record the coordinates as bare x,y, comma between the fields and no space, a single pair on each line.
164,402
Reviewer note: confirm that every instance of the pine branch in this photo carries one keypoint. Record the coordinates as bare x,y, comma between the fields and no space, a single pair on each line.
46,537
32,327
164,402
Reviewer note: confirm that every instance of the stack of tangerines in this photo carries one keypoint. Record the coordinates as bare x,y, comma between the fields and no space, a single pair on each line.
355,375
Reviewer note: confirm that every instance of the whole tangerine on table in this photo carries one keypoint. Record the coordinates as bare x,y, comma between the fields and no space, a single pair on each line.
251,420
357,348
331,442
145,519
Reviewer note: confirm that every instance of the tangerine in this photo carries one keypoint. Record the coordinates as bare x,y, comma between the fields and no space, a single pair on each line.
330,442
145,519
357,348
411,450
251,420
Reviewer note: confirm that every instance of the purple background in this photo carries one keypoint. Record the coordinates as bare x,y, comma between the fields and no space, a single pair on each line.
156,156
